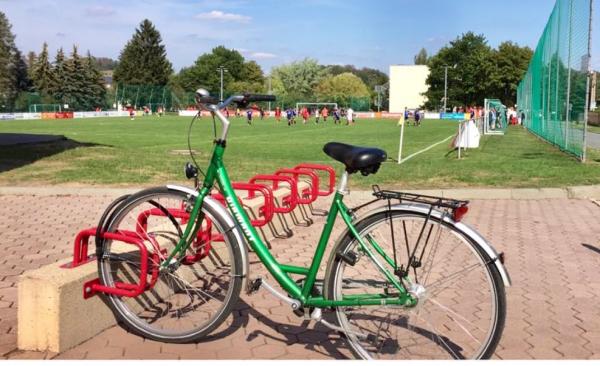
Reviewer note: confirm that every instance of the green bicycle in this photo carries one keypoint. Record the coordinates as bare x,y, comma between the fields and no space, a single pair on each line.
406,280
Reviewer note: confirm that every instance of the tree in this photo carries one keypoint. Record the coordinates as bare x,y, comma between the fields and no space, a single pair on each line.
97,96
8,80
421,57
341,88
60,88
105,63
30,61
42,75
297,80
469,82
144,61
371,78
22,81
241,75
510,65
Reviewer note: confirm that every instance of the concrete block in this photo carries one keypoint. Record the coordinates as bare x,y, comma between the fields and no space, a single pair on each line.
584,192
53,315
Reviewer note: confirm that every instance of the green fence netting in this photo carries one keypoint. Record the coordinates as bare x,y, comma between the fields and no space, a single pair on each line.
552,96
152,96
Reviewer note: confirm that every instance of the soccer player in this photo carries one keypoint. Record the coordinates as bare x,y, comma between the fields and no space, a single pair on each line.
350,116
278,114
131,112
290,116
325,113
417,117
305,114
249,116
317,115
406,116
336,116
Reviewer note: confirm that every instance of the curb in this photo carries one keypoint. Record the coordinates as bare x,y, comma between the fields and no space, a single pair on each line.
577,192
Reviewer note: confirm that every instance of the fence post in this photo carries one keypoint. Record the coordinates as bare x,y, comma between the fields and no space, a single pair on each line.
587,97
568,119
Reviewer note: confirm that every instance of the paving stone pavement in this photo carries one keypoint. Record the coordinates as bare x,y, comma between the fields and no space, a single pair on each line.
552,248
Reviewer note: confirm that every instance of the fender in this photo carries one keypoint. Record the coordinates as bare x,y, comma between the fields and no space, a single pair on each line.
231,225
465,229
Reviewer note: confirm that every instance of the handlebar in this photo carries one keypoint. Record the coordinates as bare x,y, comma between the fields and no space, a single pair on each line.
242,100
205,101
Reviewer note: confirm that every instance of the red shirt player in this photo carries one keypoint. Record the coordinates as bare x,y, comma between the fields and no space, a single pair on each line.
278,114
131,112
305,114
325,113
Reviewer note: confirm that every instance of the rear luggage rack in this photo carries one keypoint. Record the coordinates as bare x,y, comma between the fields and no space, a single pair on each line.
418,198
457,208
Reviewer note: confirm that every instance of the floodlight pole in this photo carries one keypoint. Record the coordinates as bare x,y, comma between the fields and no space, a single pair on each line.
221,69
446,85
270,92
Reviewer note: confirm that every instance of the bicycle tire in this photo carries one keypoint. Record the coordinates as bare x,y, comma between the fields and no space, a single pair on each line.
153,320
407,335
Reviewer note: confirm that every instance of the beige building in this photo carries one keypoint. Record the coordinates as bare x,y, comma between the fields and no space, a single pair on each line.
407,84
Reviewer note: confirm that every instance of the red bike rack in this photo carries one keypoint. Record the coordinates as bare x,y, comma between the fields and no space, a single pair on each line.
290,201
308,195
202,242
266,210
93,287
325,168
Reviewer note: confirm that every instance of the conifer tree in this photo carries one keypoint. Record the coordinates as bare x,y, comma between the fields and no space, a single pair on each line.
144,61
8,89
77,89
96,83
42,74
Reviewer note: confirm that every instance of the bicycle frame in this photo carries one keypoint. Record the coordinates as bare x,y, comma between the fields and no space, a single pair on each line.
281,272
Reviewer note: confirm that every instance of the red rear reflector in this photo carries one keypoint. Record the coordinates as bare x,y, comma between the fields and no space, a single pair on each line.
459,213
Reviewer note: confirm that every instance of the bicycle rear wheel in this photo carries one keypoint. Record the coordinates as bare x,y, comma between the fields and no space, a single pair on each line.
461,308
186,300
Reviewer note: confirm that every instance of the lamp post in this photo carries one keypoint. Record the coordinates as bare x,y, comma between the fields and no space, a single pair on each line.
221,69
270,92
446,85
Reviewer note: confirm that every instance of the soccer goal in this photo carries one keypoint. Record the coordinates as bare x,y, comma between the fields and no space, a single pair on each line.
312,106
41,108
495,118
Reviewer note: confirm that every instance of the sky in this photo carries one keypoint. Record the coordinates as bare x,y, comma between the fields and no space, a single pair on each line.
375,33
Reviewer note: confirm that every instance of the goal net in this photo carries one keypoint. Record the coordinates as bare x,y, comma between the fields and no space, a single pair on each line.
42,108
312,106
495,118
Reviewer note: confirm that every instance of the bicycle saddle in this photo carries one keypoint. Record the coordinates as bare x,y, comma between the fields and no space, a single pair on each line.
367,160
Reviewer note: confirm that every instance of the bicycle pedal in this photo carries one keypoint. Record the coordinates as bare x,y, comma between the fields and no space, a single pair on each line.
254,286
349,258
373,339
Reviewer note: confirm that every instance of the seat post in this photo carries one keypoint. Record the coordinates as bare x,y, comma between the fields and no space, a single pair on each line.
343,187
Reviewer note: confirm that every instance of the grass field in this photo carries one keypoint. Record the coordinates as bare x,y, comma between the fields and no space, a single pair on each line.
148,151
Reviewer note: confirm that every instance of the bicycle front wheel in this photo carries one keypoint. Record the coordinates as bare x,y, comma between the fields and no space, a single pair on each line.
188,298
461,301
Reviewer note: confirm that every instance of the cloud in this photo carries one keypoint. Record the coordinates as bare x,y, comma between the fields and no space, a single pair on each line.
61,35
262,55
256,55
100,11
223,17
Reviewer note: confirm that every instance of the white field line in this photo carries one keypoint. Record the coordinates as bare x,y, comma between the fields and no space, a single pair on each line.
425,149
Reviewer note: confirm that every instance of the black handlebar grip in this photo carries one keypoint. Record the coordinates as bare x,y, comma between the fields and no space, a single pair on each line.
207,100
259,98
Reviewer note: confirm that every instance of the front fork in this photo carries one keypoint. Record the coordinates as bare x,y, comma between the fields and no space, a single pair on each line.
197,217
